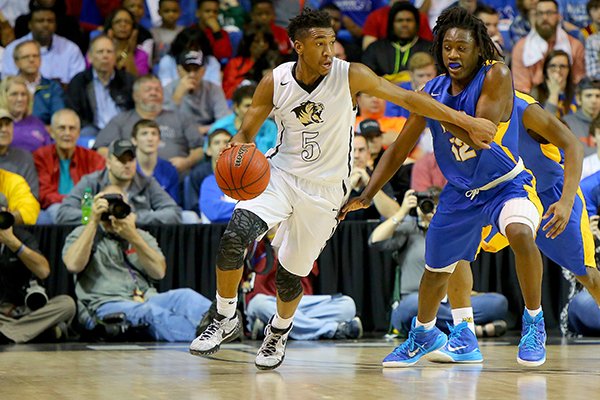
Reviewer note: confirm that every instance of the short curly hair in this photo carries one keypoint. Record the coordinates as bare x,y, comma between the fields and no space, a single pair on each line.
308,19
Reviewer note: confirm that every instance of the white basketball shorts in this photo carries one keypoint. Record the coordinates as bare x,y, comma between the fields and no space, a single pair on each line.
307,212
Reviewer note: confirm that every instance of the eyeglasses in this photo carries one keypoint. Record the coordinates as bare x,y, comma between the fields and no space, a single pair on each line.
558,66
541,14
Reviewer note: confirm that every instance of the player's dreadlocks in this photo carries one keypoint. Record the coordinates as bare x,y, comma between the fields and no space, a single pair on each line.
300,24
458,17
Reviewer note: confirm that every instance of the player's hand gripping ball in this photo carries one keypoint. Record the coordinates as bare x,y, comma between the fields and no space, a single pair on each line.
242,171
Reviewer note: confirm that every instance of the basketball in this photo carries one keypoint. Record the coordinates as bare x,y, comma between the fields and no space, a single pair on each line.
242,172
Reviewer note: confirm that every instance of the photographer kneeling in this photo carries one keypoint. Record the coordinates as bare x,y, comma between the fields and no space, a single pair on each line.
26,313
116,264
404,234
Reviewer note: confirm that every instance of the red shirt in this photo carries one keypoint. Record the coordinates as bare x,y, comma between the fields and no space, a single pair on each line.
234,73
265,284
220,43
426,173
376,24
46,161
281,37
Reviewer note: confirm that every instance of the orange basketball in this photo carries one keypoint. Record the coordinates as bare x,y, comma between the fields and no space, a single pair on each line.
242,172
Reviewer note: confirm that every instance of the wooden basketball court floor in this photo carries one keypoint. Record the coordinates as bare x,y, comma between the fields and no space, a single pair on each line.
312,370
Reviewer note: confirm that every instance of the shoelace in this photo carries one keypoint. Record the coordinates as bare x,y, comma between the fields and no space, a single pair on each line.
210,330
455,330
530,340
269,348
409,344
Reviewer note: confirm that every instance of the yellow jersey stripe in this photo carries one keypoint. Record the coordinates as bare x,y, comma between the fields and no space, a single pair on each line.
502,128
589,248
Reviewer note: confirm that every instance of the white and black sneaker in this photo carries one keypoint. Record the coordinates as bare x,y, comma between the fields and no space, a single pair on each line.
272,351
218,332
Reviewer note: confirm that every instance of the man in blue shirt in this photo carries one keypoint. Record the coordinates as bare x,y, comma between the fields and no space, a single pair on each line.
146,137
215,206
101,91
61,58
48,95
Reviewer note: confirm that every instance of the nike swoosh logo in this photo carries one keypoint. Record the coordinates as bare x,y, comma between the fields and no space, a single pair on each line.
450,348
284,83
413,353
434,94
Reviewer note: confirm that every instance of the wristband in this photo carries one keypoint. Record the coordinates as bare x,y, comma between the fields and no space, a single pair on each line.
20,250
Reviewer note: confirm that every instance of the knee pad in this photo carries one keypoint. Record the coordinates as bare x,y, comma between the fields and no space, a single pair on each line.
242,230
288,285
521,211
447,269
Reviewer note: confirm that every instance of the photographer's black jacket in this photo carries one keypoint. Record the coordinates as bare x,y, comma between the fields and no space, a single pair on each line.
14,275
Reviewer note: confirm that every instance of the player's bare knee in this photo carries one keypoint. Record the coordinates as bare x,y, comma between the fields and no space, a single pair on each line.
242,230
519,235
288,285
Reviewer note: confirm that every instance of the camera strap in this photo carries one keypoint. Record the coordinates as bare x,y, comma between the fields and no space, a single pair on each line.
138,295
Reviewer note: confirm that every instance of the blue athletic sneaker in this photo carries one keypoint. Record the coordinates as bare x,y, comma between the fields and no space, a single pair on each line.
419,343
462,347
532,347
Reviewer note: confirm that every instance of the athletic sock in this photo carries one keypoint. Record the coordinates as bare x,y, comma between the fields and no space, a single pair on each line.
281,323
226,307
427,325
533,313
464,314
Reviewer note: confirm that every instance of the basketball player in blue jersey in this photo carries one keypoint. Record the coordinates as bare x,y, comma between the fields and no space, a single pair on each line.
565,238
485,187
314,103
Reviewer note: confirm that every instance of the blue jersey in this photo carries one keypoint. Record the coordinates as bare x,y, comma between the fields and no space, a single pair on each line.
544,160
463,166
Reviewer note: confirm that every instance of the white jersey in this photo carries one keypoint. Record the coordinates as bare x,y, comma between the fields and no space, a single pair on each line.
316,129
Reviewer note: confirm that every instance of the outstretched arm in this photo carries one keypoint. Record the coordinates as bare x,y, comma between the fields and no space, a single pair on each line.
391,160
547,126
261,107
362,79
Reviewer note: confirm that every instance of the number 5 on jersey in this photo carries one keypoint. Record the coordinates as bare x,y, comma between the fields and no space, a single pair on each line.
310,148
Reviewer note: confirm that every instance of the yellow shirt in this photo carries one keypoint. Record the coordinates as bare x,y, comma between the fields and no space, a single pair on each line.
19,196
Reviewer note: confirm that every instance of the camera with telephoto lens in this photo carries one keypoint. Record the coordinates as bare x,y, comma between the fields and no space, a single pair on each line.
6,219
35,296
425,202
116,207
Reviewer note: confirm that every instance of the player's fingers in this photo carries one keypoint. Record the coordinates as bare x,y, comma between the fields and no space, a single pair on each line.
549,224
481,144
556,229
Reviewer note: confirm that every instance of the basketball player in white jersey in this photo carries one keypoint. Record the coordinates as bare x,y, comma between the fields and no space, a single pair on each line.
315,109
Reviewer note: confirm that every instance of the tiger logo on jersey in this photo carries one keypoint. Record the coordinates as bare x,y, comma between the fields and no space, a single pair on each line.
309,113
